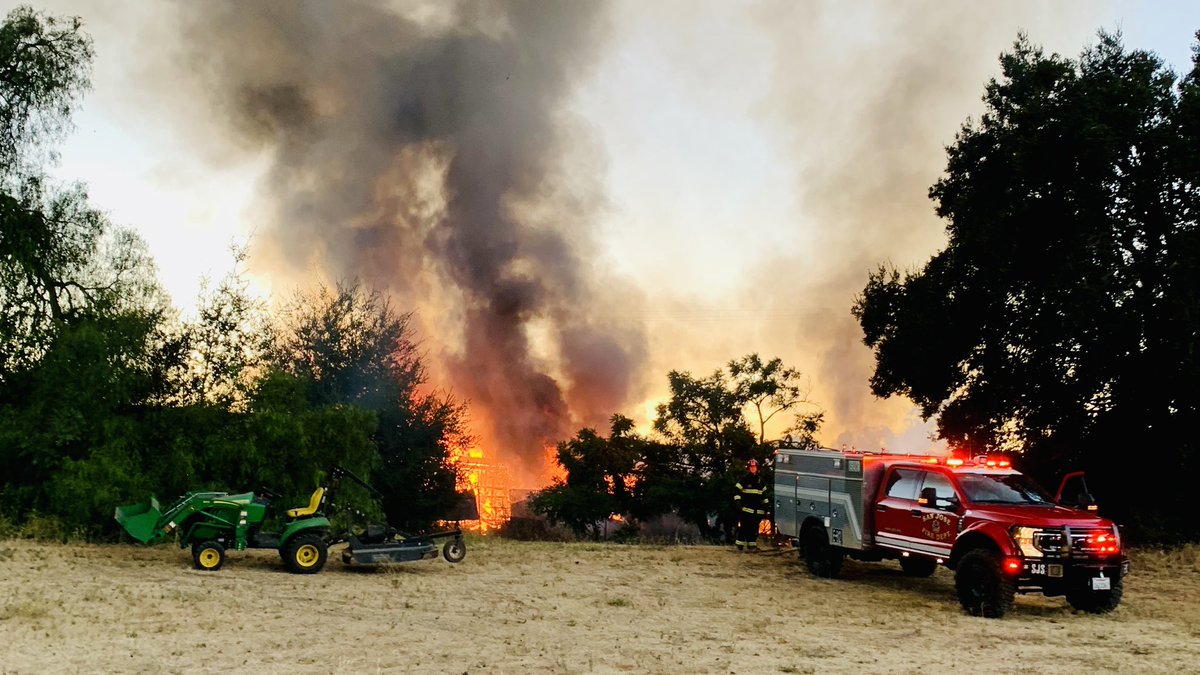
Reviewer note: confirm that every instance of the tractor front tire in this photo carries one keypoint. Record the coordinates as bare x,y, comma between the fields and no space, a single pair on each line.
455,550
306,554
208,556
984,588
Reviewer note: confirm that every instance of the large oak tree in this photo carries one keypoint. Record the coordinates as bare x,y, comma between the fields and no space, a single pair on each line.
1061,318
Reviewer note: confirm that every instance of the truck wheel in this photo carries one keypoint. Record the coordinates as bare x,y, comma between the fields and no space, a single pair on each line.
208,555
983,587
822,559
455,550
1097,602
918,566
306,554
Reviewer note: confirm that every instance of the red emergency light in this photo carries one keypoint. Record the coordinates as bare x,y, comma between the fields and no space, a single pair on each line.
1104,543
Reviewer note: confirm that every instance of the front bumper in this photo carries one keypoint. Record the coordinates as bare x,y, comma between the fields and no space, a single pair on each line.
1058,576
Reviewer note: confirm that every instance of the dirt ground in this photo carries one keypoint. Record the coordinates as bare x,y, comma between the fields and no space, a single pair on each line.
515,607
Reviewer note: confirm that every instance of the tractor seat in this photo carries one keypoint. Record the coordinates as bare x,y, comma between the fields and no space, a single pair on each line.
314,505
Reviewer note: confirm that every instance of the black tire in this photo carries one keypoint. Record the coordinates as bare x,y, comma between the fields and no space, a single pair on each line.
306,554
918,566
984,589
1097,602
823,560
208,556
454,550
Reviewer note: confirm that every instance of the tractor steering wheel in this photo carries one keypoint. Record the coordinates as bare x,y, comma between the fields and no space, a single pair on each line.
269,493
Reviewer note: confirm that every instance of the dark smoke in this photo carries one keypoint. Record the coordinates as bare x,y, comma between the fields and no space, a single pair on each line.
428,150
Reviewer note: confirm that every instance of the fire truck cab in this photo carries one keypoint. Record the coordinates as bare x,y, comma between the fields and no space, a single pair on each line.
997,529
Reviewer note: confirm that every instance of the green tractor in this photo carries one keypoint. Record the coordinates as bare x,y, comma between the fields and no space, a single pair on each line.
214,522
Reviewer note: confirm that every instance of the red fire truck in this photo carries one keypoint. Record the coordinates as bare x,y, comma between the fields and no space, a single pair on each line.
997,529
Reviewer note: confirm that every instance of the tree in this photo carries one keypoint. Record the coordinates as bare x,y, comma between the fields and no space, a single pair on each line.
599,476
351,348
83,344
45,64
1061,319
704,420
771,388
705,444
704,416
226,349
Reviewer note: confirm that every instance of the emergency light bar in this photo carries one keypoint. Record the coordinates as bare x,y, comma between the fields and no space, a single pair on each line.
991,462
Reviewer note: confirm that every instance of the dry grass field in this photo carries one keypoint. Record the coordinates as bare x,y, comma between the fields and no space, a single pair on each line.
514,607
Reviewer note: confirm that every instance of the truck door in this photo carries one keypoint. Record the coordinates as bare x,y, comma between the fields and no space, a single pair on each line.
934,523
893,510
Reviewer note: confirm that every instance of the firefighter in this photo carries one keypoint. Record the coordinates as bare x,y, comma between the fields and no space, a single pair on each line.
751,501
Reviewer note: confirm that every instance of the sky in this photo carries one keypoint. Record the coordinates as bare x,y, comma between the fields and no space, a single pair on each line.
680,183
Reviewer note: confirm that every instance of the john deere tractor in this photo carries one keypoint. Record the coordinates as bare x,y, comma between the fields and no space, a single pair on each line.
215,522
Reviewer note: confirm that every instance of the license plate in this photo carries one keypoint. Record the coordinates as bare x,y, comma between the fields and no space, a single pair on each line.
1101,584
1037,568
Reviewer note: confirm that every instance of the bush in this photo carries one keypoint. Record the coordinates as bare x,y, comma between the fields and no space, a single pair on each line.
533,529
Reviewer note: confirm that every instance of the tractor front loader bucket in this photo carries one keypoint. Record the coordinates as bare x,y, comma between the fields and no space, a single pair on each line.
140,520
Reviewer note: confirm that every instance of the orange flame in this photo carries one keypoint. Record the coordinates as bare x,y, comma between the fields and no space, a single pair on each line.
490,483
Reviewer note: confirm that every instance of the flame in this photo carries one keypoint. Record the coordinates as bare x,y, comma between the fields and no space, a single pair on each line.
489,482
487,476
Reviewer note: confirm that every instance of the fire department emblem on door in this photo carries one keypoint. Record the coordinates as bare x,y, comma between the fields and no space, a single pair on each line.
936,526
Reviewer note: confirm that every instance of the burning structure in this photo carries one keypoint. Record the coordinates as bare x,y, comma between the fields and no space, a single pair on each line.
490,483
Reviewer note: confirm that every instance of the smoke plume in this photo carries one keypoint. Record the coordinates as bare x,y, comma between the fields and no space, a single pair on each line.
767,156
427,150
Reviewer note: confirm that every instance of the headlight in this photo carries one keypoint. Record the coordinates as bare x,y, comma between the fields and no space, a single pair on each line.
1023,537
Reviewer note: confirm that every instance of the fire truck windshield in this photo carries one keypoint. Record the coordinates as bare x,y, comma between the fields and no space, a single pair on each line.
1008,488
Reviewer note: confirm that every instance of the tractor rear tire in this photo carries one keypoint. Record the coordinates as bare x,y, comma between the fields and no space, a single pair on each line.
208,556
306,554
917,566
984,588
455,550
823,560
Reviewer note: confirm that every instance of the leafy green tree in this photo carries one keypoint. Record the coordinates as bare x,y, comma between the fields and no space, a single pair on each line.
709,440
706,442
225,344
83,343
1061,318
599,475
351,347
770,388
703,419
45,64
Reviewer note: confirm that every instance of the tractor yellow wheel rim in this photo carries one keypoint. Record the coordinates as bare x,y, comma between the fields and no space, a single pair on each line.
307,555
209,558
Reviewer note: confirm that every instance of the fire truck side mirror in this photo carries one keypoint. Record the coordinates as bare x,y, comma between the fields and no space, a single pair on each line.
928,497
